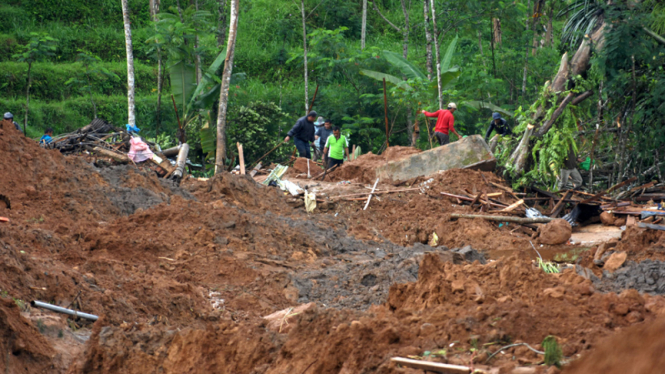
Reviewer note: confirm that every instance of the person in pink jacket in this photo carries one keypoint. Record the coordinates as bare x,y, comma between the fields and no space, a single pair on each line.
445,122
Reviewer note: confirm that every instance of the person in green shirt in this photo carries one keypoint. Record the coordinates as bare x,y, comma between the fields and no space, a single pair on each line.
336,146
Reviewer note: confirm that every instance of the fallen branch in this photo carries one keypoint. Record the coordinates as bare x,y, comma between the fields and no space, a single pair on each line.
431,366
503,218
375,193
370,195
119,157
464,198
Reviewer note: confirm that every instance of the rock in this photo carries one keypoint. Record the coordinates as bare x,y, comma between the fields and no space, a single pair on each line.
607,218
555,293
556,232
457,286
620,222
615,261
470,254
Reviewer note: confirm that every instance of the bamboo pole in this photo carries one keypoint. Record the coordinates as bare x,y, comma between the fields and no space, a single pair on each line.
503,218
241,157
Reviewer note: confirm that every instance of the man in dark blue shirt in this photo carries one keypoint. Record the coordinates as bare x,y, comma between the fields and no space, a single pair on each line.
499,125
303,134
47,137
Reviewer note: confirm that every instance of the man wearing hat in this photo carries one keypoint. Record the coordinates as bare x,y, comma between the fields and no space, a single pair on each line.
445,122
499,125
8,119
303,134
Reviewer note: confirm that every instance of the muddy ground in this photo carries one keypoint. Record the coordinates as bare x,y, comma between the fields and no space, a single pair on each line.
182,275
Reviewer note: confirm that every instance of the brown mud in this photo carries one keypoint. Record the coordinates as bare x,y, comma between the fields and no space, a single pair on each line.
181,276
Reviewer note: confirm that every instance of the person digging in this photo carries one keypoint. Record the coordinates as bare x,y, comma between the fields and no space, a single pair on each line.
499,125
445,122
303,134
335,148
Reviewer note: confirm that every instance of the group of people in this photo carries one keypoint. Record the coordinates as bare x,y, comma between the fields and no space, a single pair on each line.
47,138
331,146
326,140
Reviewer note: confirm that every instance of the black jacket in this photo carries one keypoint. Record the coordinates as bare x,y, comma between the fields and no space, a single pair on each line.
303,130
502,129
571,161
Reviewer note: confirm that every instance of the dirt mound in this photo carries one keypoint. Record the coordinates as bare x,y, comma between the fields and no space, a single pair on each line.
362,169
636,350
23,349
555,232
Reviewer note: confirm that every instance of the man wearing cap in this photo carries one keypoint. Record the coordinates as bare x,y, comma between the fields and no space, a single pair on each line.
445,122
321,135
8,119
499,125
303,134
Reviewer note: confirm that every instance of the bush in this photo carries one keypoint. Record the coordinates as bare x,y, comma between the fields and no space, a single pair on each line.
13,17
48,80
69,115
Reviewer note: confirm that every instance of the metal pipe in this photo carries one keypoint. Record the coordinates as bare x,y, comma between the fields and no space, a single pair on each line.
170,152
182,160
58,309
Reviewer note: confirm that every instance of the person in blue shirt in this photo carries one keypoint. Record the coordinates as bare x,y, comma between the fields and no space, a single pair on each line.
47,137
499,125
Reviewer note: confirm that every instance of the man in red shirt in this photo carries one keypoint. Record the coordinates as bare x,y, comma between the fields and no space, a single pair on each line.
445,122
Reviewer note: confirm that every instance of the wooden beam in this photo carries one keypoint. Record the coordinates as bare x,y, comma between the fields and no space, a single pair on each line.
255,170
650,226
241,158
503,218
513,206
559,205
431,366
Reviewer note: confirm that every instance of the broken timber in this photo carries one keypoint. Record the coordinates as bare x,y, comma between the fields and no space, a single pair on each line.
431,366
503,218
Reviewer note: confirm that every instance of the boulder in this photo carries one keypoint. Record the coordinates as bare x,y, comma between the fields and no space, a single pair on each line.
556,232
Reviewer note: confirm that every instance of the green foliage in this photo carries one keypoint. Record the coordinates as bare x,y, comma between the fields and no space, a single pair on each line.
91,68
257,127
39,47
553,353
49,80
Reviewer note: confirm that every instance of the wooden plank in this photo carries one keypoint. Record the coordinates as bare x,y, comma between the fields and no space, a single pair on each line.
431,366
242,159
546,193
644,186
255,170
651,226
630,221
502,218
513,206
375,193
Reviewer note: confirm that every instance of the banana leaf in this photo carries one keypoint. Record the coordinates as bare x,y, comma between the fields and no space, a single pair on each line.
208,77
478,105
407,68
448,57
183,83
389,78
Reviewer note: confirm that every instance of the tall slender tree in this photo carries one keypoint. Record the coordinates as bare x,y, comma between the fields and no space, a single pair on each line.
363,32
438,58
131,113
428,39
304,46
224,91
154,11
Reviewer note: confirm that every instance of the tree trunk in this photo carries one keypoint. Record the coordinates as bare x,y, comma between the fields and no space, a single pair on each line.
154,10
27,99
436,52
131,119
579,64
221,23
405,31
363,32
199,73
537,12
224,91
526,53
428,39
496,24
549,35
304,46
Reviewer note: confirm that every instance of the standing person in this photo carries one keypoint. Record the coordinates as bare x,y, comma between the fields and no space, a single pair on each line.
317,143
303,134
321,136
445,122
8,119
47,137
336,146
499,125
569,171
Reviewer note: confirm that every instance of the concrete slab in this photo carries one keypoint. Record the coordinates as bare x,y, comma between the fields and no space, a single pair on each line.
470,152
